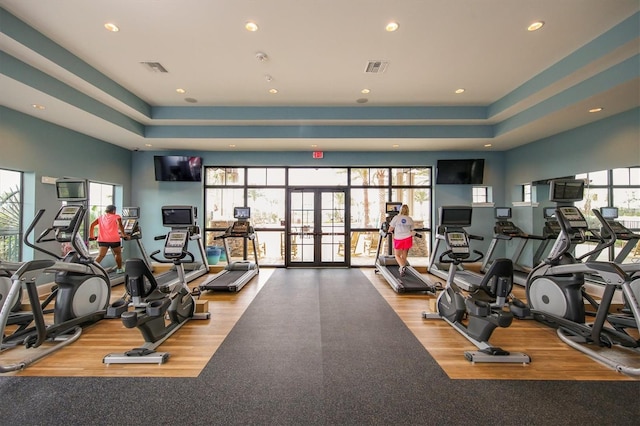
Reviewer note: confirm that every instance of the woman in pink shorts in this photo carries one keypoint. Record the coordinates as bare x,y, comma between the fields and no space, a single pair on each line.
402,227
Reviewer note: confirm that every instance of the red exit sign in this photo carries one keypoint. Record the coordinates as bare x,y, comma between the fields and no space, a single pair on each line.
318,154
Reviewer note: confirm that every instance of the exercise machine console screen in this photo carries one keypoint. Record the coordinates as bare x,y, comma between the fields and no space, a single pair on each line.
242,212
456,216
178,216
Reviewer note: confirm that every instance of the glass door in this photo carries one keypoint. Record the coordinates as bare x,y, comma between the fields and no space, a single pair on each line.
317,227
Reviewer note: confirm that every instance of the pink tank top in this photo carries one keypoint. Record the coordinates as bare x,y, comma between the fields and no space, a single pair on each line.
109,228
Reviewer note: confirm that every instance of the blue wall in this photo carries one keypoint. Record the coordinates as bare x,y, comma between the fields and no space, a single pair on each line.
41,149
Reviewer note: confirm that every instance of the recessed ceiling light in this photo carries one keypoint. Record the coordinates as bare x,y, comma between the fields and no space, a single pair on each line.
111,27
598,109
535,26
38,106
314,146
365,91
148,145
273,91
251,26
392,26
232,145
395,145
458,91
487,145
181,91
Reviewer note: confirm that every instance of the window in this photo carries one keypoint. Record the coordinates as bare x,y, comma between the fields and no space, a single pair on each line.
613,188
10,215
264,189
480,195
526,193
100,196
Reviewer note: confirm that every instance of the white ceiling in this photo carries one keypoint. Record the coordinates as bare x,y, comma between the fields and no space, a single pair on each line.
529,84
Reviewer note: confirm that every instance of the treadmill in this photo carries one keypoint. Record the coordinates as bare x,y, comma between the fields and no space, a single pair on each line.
610,214
505,230
183,218
412,281
236,274
130,216
622,233
453,219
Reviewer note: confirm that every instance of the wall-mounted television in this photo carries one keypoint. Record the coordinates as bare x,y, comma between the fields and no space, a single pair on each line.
71,189
460,172
457,216
177,168
566,190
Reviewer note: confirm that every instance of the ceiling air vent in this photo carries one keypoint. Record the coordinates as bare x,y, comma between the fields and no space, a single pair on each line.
154,66
376,67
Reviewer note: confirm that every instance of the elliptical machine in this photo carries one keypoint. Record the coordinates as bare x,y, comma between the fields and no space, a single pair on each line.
556,294
153,303
7,269
483,305
80,294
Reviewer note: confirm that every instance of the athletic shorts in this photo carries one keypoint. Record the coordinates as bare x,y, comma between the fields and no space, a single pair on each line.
404,244
110,245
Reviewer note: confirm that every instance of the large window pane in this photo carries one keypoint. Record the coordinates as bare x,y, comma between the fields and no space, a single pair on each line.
367,207
626,176
10,215
224,176
318,177
411,176
265,176
267,207
369,177
628,203
599,178
220,203
419,202
100,196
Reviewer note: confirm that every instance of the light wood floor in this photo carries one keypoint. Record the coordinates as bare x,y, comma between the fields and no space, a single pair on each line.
197,341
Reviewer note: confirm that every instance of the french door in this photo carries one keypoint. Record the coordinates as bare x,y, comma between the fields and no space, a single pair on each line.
317,229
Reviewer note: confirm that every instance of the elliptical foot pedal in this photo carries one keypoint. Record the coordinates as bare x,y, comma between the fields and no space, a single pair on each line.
488,357
140,352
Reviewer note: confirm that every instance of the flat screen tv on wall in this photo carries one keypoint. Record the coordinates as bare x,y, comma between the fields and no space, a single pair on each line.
460,172
178,168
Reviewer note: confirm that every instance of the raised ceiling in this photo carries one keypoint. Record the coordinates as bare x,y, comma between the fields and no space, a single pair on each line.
519,86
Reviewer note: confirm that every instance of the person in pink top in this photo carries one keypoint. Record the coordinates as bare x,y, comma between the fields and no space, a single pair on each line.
402,227
110,231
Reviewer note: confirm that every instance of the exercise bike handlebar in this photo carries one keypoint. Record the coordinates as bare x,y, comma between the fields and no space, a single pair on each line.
450,257
184,254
